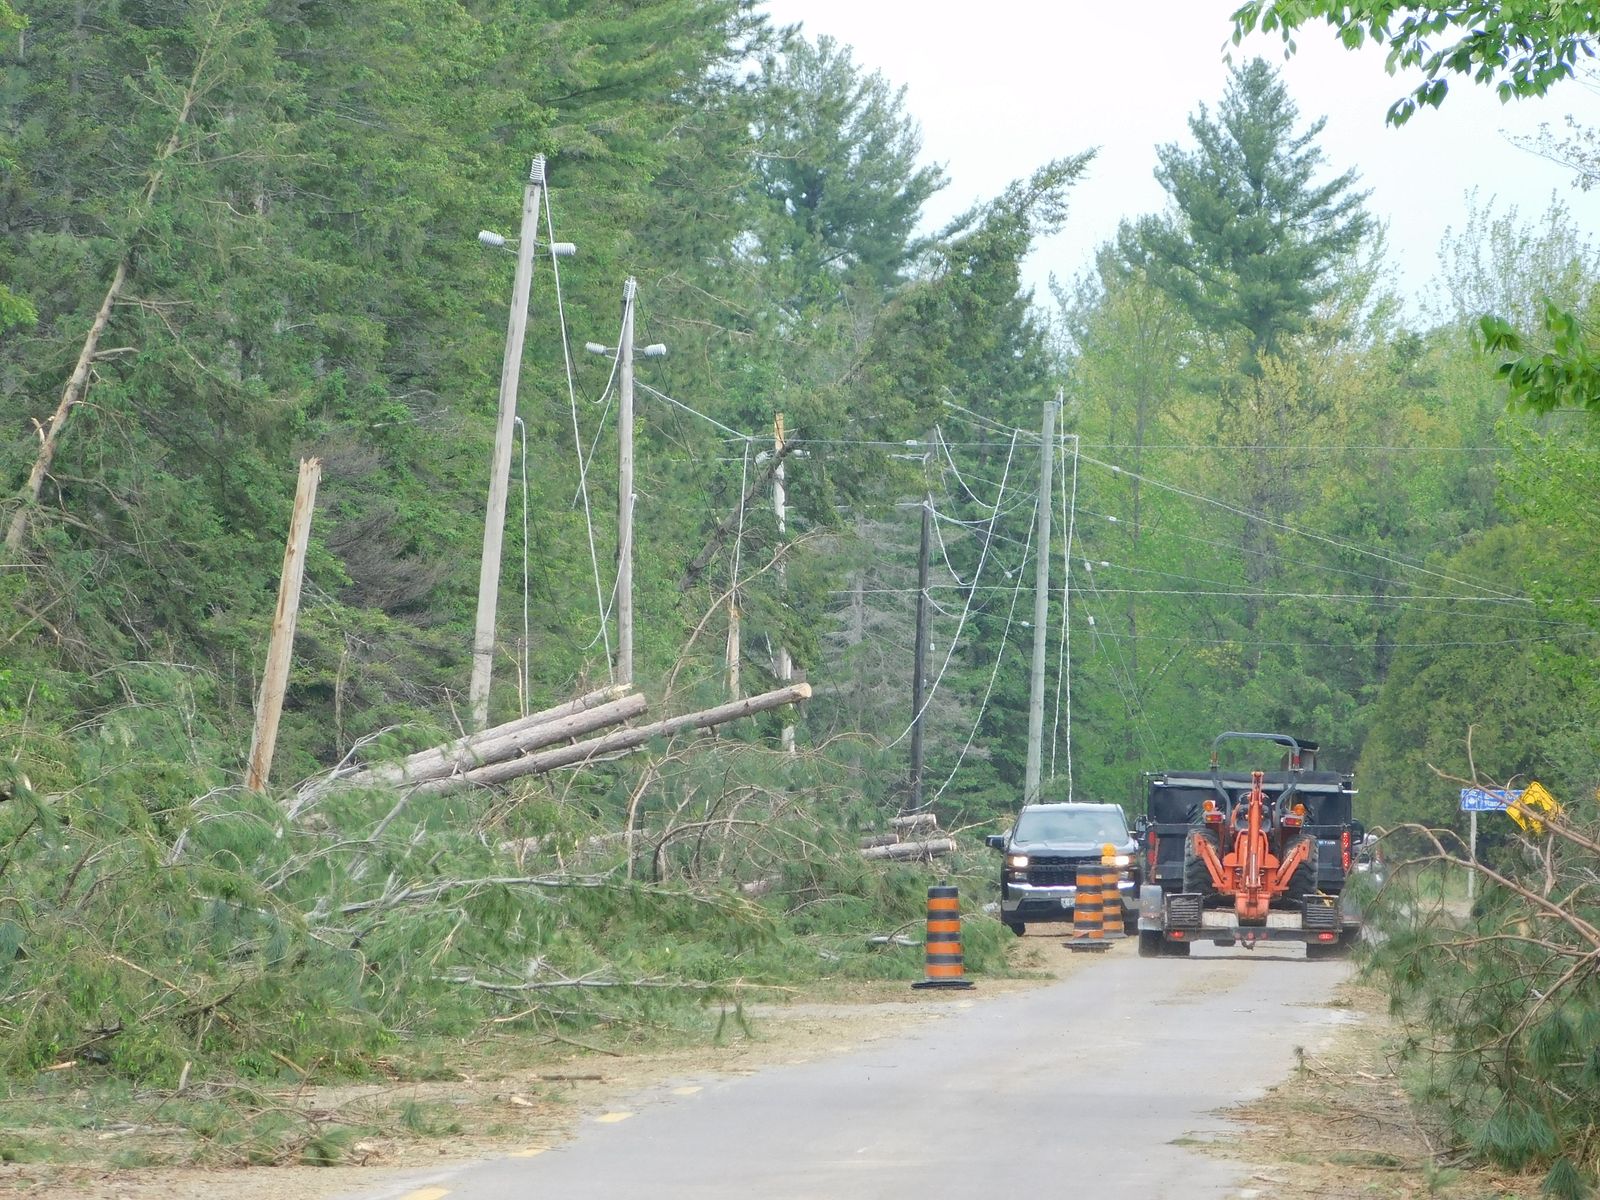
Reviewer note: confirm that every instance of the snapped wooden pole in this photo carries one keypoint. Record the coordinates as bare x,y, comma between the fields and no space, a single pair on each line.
280,649
594,749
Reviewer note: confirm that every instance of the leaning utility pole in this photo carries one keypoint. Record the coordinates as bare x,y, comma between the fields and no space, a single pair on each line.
630,288
280,645
1041,607
919,655
500,463
779,501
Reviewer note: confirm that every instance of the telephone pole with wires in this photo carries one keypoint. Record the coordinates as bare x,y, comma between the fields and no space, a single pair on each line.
500,462
785,671
919,655
630,289
1041,608
625,495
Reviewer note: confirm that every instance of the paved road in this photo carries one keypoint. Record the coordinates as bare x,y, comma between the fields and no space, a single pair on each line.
1080,1088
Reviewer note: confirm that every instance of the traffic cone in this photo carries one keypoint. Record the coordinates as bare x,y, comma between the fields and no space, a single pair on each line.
944,967
1110,905
1088,925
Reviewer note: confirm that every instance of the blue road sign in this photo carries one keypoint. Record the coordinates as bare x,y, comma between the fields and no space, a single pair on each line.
1488,799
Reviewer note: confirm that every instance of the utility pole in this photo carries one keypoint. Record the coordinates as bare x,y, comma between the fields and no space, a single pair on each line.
630,288
779,499
1041,607
500,463
919,656
280,646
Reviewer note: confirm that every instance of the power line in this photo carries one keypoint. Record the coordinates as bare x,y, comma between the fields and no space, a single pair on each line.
660,395
1339,543
577,436
983,556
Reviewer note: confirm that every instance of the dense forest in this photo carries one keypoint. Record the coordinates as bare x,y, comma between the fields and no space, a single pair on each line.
236,233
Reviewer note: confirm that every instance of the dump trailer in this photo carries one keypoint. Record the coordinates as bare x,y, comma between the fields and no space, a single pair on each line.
1246,857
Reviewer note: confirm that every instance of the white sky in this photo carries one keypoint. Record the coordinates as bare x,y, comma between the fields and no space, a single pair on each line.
1004,85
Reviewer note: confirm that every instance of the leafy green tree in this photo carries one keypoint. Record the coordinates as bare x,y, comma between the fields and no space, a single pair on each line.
1254,238
1521,47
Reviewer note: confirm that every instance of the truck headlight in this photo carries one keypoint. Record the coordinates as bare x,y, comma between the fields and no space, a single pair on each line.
1016,860
1117,860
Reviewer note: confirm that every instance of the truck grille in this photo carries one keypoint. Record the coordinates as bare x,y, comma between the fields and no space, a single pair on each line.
1054,870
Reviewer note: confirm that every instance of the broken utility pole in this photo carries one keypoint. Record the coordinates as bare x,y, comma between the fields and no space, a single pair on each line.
280,647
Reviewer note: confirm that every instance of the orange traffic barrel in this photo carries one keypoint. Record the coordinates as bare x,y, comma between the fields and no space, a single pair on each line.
1088,906
1110,904
944,967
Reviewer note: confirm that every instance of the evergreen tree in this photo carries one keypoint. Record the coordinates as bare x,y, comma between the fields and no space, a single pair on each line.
1254,238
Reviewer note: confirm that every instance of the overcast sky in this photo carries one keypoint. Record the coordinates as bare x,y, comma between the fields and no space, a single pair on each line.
1001,86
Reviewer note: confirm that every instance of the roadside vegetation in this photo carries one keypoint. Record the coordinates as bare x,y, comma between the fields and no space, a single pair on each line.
1286,501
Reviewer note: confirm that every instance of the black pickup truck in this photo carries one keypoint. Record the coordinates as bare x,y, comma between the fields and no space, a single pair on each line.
1043,851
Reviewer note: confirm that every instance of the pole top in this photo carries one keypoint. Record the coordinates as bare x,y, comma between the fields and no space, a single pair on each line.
536,170
630,287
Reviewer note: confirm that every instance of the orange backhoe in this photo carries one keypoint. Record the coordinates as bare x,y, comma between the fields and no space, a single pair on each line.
1265,851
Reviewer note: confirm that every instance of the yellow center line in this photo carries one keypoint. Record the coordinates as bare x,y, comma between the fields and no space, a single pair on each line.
428,1193
530,1152
611,1118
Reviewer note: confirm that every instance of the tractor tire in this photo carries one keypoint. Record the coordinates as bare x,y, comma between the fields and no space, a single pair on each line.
1304,880
1195,876
1150,941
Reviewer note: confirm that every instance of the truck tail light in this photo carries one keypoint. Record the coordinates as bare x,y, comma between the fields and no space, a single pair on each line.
1344,850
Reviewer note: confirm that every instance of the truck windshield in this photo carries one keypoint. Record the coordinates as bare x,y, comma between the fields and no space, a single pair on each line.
1066,826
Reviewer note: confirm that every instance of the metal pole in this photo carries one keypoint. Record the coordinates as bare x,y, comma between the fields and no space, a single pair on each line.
500,464
1041,608
779,502
630,289
919,655
1472,854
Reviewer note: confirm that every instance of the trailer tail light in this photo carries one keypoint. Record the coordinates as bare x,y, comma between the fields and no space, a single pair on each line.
1344,850
1295,817
1213,814
1177,935
1326,937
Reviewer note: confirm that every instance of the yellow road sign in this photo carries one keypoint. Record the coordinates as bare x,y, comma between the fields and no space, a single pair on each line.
1535,799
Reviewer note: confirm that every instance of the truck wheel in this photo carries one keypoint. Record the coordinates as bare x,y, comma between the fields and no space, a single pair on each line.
1304,880
1016,927
1195,876
1150,943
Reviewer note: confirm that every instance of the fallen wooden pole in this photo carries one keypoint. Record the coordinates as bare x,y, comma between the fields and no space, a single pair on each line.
914,821
417,765
501,742
623,740
934,849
